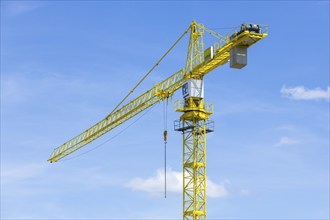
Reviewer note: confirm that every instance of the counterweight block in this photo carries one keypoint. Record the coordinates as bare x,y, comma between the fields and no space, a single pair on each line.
238,57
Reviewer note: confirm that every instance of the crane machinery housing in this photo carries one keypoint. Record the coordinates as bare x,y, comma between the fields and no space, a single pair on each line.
194,122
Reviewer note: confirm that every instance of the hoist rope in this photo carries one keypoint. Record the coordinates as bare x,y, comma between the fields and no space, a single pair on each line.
165,143
113,137
145,76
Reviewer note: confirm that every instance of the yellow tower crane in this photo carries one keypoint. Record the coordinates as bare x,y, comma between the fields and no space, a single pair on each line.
194,123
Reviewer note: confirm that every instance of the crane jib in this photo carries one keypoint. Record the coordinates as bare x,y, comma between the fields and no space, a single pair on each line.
134,107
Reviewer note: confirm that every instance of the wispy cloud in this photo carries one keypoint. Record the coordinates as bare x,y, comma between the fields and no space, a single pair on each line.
17,179
15,174
245,192
155,185
15,8
25,87
43,186
286,141
302,93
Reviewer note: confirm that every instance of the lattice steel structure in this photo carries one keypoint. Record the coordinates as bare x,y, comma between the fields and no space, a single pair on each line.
194,122
194,125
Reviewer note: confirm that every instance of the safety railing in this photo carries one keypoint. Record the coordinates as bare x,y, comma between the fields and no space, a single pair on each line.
198,127
179,105
246,26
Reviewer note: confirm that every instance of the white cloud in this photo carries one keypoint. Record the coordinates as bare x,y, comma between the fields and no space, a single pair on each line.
216,190
155,185
286,141
302,93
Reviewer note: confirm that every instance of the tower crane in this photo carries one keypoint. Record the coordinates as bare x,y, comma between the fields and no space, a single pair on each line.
194,122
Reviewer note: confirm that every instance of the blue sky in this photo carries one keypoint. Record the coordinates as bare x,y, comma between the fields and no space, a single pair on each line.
66,64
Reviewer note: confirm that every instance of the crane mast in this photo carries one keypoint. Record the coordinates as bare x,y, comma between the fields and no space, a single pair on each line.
194,122
193,125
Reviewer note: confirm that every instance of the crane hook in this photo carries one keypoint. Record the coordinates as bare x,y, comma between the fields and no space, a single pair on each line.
165,136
